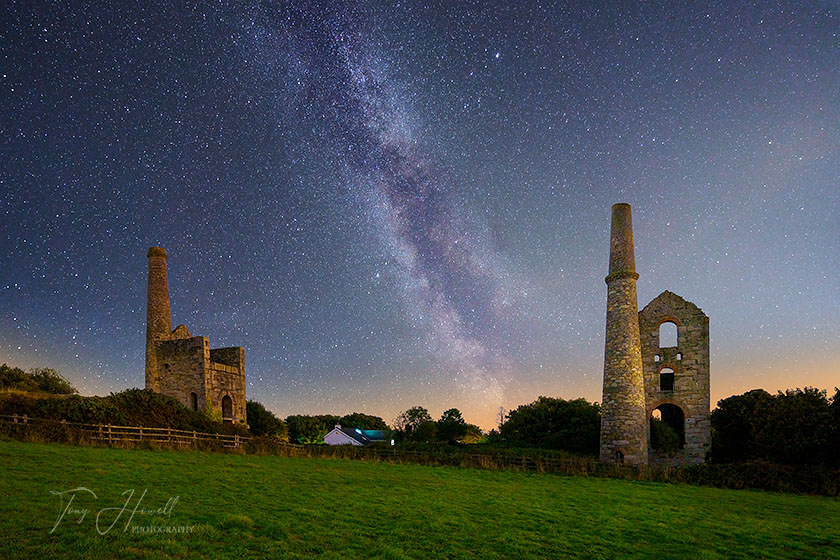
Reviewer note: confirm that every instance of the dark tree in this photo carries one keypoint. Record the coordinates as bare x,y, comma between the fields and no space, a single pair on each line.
554,424
797,426
426,431
363,421
309,429
451,426
735,422
263,422
408,421
473,434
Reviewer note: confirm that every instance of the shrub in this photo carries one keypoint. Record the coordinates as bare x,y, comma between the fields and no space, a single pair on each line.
85,410
765,475
43,380
310,429
554,424
663,437
263,422
795,427
132,407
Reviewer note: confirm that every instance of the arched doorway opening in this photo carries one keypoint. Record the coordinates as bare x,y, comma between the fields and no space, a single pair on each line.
667,428
194,401
227,409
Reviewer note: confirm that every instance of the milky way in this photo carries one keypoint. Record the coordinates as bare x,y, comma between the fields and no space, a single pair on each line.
450,276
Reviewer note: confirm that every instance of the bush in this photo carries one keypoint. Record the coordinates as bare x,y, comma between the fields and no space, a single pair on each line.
663,437
132,407
795,427
765,475
310,429
554,424
409,421
41,380
263,422
144,407
84,410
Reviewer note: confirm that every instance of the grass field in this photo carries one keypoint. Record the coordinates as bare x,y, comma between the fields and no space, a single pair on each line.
239,506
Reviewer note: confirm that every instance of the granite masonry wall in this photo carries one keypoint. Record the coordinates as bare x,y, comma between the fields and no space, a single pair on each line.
689,360
624,424
182,365
226,377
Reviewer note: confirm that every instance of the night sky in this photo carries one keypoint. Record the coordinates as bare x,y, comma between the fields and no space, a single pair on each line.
395,203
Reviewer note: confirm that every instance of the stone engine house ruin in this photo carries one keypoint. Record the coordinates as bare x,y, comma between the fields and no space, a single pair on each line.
656,365
184,366
676,373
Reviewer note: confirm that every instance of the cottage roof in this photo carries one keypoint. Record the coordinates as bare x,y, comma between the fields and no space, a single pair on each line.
353,433
374,435
364,437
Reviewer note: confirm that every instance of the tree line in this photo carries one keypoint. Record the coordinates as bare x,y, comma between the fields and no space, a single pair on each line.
413,425
799,426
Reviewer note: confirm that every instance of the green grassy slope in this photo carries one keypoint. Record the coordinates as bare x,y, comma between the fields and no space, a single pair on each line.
246,506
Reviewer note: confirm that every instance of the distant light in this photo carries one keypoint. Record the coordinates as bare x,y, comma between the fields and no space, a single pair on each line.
392,442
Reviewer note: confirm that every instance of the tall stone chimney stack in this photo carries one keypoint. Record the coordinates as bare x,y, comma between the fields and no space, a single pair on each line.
158,315
623,415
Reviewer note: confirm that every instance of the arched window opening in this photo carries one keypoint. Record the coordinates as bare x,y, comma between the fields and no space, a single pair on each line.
656,358
194,401
619,457
667,432
667,335
679,356
666,379
227,409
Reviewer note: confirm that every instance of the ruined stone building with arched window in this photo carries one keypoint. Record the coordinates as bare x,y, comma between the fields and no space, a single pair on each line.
676,373
184,366
656,365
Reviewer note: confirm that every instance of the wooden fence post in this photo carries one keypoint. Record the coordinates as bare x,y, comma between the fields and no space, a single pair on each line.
110,441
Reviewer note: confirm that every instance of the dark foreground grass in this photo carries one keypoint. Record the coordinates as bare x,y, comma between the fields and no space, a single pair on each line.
241,506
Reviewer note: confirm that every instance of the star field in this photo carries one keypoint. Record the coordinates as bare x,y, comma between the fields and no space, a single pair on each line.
403,203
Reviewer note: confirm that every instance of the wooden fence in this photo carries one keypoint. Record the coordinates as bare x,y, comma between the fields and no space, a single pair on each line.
110,434
132,434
